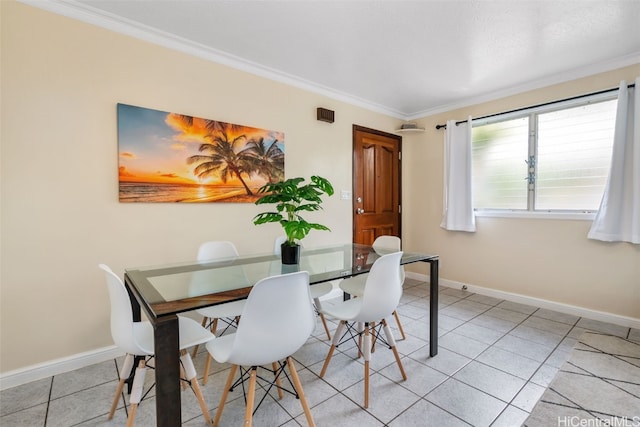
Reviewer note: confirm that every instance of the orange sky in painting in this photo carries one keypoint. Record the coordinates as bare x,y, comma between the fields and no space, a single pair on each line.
156,151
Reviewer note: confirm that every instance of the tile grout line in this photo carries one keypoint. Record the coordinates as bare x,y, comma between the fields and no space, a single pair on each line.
46,413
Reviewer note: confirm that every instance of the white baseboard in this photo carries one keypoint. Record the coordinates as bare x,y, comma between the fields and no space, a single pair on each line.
616,319
57,366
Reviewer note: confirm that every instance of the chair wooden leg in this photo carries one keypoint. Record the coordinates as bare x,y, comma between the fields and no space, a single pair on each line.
397,356
248,413
132,414
334,343
366,350
192,377
207,363
298,386
326,327
225,393
203,406
183,384
114,404
136,392
327,360
392,343
278,382
395,314
125,371
195,348
214,326
318,308
207,366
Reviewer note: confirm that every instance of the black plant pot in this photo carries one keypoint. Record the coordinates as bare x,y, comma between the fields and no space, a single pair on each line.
290,254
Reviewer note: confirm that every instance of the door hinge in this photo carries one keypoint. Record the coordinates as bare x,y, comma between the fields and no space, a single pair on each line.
399,208
399,155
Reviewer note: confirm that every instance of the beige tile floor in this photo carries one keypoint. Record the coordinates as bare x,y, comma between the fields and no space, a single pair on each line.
495,361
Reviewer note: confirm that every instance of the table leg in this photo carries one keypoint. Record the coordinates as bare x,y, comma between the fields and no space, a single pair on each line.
167,360
433,307
135,311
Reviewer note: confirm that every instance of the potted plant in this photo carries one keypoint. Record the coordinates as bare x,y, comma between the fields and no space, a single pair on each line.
292,197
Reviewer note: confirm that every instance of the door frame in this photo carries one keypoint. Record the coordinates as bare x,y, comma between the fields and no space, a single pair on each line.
398,138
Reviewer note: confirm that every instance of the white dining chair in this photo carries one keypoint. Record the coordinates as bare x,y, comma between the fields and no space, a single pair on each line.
354,286
136,340
229,313
317,291
380,298
277,320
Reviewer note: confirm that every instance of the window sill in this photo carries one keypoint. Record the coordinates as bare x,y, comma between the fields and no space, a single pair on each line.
580,216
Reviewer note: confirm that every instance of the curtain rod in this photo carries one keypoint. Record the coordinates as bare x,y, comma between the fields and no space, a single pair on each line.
438,127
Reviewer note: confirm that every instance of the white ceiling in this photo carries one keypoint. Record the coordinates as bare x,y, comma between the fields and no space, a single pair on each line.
403,58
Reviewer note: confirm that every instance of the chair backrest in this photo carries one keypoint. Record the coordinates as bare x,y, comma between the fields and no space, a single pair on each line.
389,243
121,314
277,243
277,320
208,281
383,289
217,249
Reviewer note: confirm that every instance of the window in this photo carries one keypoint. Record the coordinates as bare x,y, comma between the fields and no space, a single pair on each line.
554,158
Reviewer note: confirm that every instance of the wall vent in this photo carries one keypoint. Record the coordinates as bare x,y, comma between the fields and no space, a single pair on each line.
325,115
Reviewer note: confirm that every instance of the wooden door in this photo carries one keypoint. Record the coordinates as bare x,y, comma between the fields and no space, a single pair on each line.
376,184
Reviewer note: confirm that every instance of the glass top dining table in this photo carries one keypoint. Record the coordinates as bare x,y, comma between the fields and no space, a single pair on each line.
164,291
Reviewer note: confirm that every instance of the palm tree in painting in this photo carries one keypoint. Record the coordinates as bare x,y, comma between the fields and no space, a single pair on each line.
224,156
267,161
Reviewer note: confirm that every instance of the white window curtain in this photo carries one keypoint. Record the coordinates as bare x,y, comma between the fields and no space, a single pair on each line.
618,219
458,196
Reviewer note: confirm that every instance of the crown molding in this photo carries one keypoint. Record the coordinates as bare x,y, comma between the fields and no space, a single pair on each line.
87,14
576,73
82,12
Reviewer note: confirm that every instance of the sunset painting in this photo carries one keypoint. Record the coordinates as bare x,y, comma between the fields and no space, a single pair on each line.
170,157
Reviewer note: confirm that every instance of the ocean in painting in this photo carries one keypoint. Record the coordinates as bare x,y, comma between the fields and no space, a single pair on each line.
169,193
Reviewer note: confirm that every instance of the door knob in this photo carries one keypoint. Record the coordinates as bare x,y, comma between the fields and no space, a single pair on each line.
359,211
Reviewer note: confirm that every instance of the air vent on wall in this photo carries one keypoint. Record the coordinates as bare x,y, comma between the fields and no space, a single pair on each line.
410,127
325,115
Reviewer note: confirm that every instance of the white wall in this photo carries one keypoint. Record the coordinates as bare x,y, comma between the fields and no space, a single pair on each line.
60,215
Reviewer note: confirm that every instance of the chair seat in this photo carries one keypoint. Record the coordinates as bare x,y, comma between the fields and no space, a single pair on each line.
228,309
143,335
354,286
344,310
320,290
191,333
222,349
